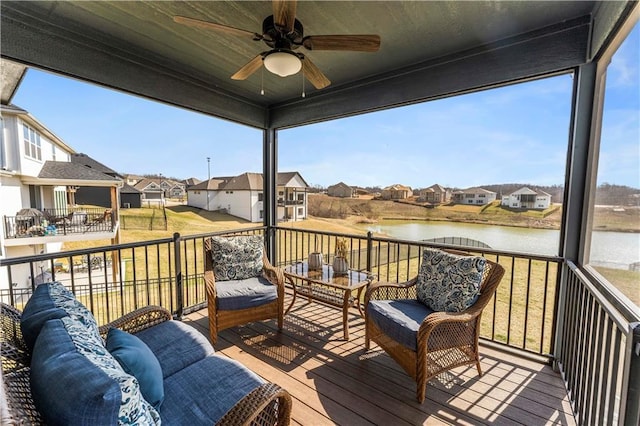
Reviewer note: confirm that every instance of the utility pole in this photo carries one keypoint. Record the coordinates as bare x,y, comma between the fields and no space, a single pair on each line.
208,179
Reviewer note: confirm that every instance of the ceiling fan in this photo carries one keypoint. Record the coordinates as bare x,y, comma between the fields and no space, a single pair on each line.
284,34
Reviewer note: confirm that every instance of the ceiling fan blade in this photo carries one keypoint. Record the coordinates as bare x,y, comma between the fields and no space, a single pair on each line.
313,74
284,14
197,23
358,43
248,69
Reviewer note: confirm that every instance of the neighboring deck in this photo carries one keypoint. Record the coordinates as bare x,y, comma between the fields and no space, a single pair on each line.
333,382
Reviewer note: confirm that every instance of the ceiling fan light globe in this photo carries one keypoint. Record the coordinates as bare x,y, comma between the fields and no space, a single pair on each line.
282,63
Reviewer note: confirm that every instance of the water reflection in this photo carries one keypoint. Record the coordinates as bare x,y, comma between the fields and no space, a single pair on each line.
614,249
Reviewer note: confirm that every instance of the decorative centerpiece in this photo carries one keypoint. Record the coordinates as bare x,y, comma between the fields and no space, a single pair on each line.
340,263
315,259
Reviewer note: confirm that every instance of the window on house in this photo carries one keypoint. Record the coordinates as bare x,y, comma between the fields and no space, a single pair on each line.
300,211
32,145
300,197
614,252
261,214
260,196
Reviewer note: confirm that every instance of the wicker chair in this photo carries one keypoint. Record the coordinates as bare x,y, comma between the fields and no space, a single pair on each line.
268,404
220,319
445,340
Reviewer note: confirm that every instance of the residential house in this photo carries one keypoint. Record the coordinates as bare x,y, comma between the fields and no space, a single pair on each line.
101,196
435,194
155,190
130,197
476,196
242,196
525,198
39,184
341,190
396,192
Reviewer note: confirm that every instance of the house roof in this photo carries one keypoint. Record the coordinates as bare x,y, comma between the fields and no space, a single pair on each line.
528,191
340,185
191,181
245,181
128,189
475,190
437,188
67,173
248,181
212,184
284,178
397,187
85,160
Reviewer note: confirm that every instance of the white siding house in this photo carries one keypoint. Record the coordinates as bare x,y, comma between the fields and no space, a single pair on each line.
525,198
38,180
476,196
241,196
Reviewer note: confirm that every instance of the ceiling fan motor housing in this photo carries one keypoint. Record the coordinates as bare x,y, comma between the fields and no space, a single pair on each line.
276,38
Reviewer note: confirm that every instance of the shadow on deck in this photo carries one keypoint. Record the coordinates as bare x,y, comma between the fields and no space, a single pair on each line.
332,381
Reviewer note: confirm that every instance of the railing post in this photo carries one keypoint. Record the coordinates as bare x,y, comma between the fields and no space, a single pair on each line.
632,410
179,277
369,249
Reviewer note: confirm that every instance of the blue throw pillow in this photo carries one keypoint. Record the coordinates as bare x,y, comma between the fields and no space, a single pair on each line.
136,359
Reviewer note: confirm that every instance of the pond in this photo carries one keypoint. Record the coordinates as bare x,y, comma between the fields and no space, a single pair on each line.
613,249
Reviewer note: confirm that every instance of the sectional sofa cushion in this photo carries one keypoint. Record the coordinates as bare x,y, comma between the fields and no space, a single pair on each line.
449,282
176,345
219,383
52,301
136,359
238,257
75,381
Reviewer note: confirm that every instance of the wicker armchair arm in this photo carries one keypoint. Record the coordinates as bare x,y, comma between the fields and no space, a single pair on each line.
272,273
268,404
138,320
384,291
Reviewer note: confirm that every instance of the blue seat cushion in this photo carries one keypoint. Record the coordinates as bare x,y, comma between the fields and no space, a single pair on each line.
75,381
399,319
202,393
176,345
135,358
52,301
248,293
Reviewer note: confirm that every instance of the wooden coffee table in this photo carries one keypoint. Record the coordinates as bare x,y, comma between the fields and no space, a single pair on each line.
324,286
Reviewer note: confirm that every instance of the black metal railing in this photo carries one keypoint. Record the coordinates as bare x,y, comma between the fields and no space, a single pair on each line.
521,314
594,347
598,354
52,222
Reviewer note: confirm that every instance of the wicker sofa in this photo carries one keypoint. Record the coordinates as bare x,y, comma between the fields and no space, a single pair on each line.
45,384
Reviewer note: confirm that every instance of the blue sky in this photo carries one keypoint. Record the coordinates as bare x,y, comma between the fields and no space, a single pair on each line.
512,134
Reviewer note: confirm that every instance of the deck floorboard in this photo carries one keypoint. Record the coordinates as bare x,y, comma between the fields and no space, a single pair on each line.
333,381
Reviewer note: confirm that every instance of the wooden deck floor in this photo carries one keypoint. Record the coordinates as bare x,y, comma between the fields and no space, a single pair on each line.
332,381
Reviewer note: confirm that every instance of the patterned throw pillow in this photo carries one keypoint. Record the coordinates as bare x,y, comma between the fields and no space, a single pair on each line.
76,381
237,258
448,282
51,301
